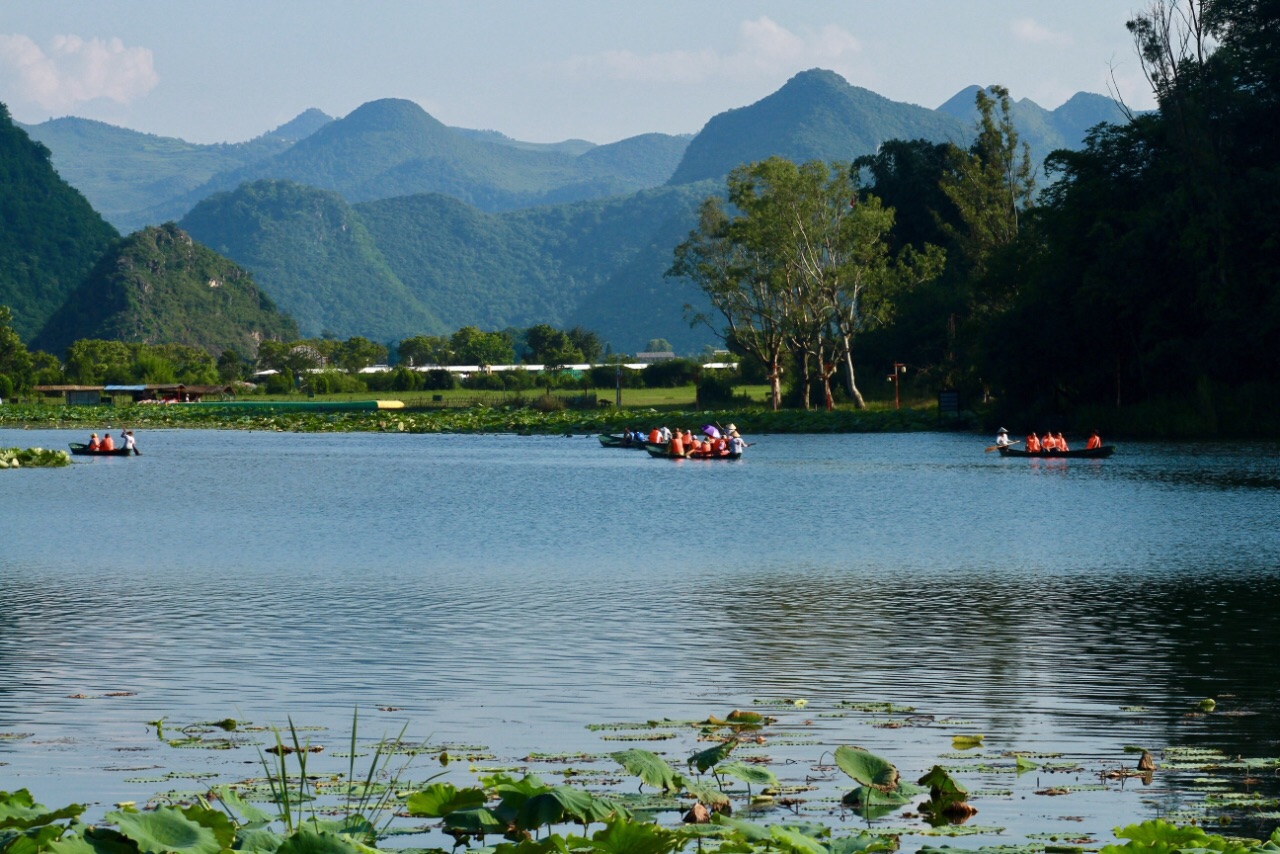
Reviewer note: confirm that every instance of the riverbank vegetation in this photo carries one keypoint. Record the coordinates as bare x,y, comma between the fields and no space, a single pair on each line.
13,458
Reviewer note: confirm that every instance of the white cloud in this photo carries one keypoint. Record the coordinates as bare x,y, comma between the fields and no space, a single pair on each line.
763,47
74,70
1033,32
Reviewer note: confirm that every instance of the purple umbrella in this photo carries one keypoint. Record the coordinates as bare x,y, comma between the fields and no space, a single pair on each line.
711,431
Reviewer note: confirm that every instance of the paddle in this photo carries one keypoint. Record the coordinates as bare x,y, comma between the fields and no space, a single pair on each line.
993,447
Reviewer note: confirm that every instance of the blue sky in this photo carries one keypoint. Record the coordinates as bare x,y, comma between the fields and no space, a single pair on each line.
539,70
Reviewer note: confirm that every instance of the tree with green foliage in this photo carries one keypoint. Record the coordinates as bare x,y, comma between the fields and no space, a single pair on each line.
550,346
803,265
419,350
358,352
470,346
15,361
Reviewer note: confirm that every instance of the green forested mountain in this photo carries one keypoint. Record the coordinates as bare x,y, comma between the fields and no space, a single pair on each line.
1043,130
124,173
158,286
313,255
815,116
430,264
50,237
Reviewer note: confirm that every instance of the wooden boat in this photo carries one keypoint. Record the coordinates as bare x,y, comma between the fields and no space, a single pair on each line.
609,441
80,449
1087,453
662,452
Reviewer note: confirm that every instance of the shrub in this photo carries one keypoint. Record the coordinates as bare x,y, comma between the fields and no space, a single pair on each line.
281,383
439,379
549,403
480,381
671,373
517,380
715,388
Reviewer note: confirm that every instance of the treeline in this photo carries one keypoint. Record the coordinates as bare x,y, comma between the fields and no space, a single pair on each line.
1136,280
328,365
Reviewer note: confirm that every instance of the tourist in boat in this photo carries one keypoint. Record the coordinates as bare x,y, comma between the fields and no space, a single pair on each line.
107,443
130,444
1095,441
664,433
676,446
736,443
655,436
1002,438
93,442
1048,443
1033,444
1061,442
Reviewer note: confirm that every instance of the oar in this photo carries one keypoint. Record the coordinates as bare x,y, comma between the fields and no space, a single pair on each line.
1010,445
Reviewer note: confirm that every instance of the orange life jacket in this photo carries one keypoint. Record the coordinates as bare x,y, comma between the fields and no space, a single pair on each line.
1048,443
654,436
93,444
1062,444
1095,441
676,448
107,444
1033,444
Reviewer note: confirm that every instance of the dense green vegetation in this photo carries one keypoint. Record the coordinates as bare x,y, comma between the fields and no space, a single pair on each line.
51,236
1140,290
16,458
314,255
159,286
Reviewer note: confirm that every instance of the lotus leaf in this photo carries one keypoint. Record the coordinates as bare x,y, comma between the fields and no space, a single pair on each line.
650,768
473,821
860,843
748,830
440,799
20,811
867,768
166,830
247,811
706,794
712,756
94,841
258,840
216,820
796,841
753,774
966,742
306,841
621,836
869,796
942,786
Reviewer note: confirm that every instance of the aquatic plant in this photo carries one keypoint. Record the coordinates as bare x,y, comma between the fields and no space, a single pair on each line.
12,458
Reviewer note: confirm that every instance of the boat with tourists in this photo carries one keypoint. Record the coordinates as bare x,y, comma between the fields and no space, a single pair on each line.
80,449
610,441
1087,453
663,451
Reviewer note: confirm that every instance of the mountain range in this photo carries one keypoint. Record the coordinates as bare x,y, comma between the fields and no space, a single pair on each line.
386,222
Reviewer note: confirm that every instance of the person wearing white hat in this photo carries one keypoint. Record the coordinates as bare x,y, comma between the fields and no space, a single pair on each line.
1002,438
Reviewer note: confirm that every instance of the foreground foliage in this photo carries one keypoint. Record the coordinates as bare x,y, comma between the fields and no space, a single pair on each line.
13,458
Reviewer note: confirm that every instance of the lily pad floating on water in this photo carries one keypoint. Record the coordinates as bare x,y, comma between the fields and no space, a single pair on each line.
966,742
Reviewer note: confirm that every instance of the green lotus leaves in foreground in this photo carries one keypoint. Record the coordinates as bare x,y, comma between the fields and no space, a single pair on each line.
13,458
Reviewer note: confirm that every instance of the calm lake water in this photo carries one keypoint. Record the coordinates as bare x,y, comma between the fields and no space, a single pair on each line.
504,592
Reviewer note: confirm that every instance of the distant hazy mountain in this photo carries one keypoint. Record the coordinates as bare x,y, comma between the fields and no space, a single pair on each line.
816,115
393,147
158,286
313,255
1043,130
50,237
124,173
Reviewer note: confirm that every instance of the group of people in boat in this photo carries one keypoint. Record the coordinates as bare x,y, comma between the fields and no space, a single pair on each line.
108,444
680,443
1050,441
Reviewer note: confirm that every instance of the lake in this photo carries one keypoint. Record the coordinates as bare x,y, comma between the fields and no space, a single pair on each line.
505,592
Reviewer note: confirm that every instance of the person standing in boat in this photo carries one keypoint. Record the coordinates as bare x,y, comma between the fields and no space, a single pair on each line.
130,444
1002,438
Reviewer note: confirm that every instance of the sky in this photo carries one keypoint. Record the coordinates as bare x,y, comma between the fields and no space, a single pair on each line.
537,70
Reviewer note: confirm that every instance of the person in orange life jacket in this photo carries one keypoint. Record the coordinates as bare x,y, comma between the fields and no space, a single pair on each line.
1095,441
107,443
1033,444
1062,442
93,442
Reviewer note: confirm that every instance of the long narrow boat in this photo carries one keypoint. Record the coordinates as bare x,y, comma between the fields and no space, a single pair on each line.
609,441
1087,453
662,452
80,449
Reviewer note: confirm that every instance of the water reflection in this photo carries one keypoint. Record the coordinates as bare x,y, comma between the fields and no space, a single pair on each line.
508,590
